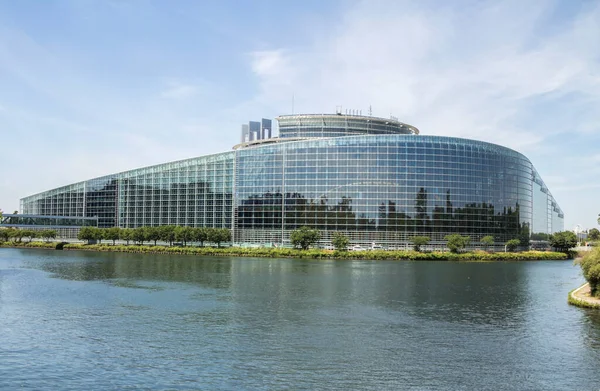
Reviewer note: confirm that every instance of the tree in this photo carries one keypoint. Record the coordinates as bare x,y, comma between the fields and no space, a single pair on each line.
340,242
218,235
524,237
113,234
456,242
29,233
18,234
97,234
4,234
153,233
167,233
49,234
184,234
139,235
419,241
201,235
304,237
563,241
593,234
86,233
590,265
512,244
126,234
487,241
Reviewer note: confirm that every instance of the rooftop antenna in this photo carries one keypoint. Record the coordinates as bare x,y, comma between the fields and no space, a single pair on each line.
370,111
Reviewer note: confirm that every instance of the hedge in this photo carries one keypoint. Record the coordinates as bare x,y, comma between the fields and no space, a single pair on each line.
311,253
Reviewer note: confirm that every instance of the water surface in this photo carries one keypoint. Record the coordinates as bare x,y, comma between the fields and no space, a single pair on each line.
110,321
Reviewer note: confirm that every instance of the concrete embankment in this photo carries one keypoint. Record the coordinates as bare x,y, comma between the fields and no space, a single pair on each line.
581,297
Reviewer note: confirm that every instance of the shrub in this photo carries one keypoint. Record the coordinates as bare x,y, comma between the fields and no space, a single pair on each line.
590,265
419,241
487,241
304,237
563,241
113,234
512,244
340,242
456,242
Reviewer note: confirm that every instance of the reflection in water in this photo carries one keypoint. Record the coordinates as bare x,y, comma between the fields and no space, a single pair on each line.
177,322
486,293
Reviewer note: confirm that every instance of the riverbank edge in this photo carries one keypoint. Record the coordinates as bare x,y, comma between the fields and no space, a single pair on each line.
294,253
577,298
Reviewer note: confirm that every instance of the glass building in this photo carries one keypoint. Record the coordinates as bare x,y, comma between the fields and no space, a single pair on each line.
375,180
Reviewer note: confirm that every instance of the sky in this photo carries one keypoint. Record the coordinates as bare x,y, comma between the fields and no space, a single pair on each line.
89,88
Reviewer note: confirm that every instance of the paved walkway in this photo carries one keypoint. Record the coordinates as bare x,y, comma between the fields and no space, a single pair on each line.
583,294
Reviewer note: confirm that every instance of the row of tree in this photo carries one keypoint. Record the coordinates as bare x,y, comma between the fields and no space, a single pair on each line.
590,263
164,233
305,237
18,234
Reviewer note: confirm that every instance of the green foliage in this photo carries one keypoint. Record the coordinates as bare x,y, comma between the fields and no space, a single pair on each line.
86,233
201,235
4,234
456,242
113,234
419,241
574,300
563,241
48,234
126,234
28,233
487,241
311,253
590,265
304,237
139,235
340,242
184,234
524,237
593,234
17,234
512,244
167,233
218,235
153,234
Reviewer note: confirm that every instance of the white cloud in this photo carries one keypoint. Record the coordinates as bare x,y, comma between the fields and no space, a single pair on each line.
468,72
179,91
270,63
503,72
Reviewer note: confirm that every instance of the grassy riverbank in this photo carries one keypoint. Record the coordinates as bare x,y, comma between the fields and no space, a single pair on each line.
313,253
581,297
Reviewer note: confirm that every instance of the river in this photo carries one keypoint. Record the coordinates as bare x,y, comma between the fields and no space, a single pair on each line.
109,321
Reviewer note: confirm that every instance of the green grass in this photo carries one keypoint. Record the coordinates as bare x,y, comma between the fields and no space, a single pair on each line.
311,254
580,303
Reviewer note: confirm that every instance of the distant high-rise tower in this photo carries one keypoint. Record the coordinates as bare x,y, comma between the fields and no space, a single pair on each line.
266,128
245,130
254,130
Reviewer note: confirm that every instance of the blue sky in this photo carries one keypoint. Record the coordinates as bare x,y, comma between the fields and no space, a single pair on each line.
90,88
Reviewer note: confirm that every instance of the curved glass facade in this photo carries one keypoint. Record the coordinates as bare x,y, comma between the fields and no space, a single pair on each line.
380,189
338,125
386,189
